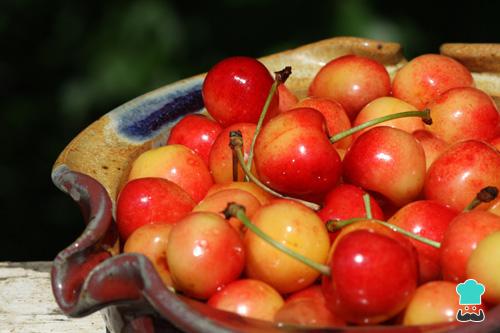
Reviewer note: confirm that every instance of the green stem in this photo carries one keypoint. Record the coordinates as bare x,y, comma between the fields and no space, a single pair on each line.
486,194
333,225
368,206
238,211
280,77
425,115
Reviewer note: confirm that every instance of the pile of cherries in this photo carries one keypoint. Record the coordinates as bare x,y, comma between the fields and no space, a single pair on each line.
366,202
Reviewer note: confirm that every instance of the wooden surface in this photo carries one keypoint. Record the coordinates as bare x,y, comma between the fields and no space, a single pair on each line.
27,304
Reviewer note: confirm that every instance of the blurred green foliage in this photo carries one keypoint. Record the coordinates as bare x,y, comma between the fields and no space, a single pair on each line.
63,64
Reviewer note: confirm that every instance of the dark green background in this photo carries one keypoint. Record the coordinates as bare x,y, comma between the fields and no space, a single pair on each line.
63,64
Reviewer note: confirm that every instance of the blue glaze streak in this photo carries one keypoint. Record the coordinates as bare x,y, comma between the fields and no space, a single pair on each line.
144,121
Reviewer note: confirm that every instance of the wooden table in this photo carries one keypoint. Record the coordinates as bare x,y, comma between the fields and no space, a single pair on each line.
28,306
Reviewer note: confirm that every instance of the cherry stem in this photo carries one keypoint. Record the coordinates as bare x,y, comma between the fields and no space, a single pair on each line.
280,77
236,144
368,206
334,225
487,194
238,211
425,115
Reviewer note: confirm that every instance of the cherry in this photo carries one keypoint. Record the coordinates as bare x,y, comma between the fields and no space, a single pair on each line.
389,161
197,246
249,187
307,312
150,200
433,146
373,277
426,77
462,114
151,240
433,302
248,298
197,132
462,171
287,99
351,80
293,154
313,292
294,226
484,266
461,238
430,220
235,90
335,116
178,164
221,156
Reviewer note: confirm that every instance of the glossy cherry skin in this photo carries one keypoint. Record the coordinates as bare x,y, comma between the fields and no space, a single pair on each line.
428,219
373,277
221,155
295,226
484,266
308,312
388,161
150,200
427,76
433,302
336,118
197,132
294,156
344,202
235,90
178,164
433,146
287,99
249,187
461,238
248,298
151,240
461,172
197,246
351,80
463,114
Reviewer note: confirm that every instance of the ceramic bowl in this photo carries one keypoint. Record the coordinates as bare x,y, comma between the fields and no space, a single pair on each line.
90,275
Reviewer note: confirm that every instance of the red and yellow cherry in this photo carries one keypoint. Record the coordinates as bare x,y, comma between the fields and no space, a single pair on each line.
218,201
287,99
197,246
313,292
151,240
249,187
353,81
235,90
432,303
461,238
463,114
248,298
344,202
221,156
430,220
461,172
384,106
150,200
388,161
336,118
484,266
433,146
426,77
308,312
197,132
178,164
373,277
295,226
294,156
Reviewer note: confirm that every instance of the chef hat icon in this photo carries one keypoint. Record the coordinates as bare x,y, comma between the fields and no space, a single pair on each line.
470,292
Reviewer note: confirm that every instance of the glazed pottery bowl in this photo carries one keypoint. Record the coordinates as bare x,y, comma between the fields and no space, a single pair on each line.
91,275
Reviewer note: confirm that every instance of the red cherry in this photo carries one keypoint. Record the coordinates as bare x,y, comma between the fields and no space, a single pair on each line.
196,132
353,81
235,90
373,277
426,77
150,200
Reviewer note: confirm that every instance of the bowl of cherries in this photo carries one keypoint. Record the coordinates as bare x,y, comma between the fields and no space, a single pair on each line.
333,187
